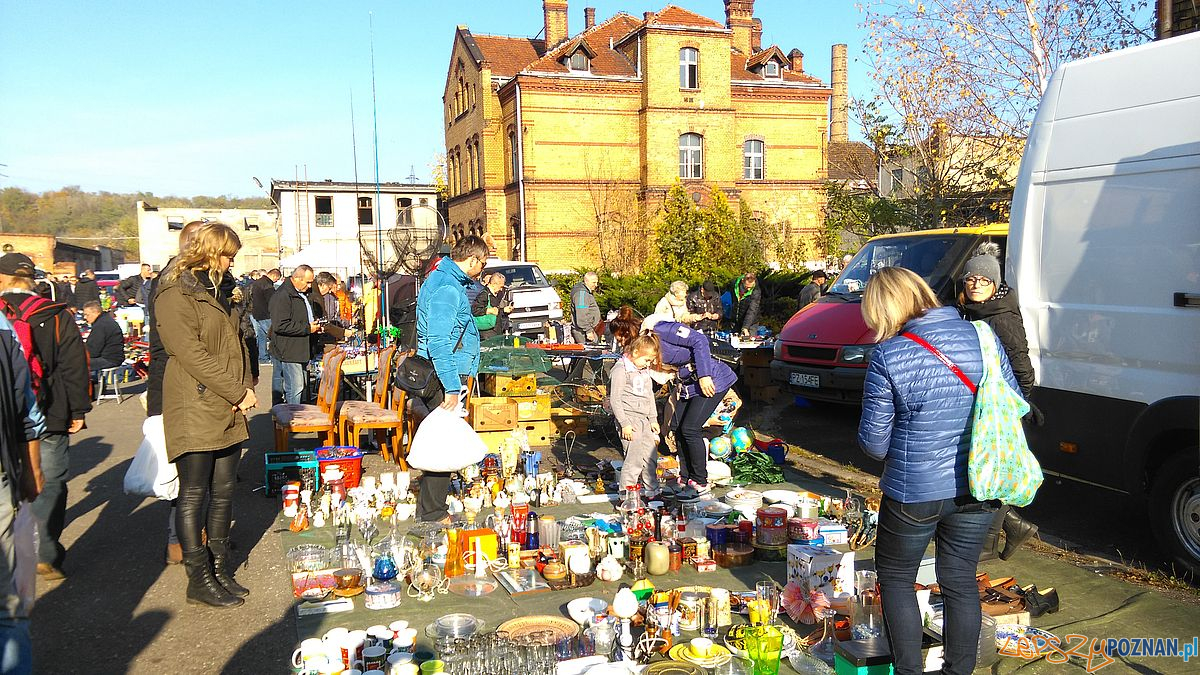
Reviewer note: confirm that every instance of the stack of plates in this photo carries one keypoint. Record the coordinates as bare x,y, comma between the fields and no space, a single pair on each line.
746,501
454,626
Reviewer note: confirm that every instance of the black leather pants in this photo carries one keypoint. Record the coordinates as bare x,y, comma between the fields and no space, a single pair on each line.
207,476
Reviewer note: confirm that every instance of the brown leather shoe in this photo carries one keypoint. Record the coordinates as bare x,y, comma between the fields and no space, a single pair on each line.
50,572
174,554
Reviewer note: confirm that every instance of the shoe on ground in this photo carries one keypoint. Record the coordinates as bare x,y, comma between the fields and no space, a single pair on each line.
50,572
700,490
174,554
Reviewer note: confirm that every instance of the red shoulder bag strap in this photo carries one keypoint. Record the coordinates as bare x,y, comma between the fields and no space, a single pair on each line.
943,358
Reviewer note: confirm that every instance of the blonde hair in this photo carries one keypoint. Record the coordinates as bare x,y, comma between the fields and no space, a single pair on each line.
646,343
210,242
895,296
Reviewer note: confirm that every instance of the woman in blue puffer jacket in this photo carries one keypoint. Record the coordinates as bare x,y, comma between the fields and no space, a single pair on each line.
916,417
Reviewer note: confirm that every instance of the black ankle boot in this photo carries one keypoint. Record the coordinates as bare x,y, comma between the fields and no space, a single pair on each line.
203,588
222,570
1017,531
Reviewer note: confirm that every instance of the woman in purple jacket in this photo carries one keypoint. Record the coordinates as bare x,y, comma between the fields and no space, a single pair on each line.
917,412
703,382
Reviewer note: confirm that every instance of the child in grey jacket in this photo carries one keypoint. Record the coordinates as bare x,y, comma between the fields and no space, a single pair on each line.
631,395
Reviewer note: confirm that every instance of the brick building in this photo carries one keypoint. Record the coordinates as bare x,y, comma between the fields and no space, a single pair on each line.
611,117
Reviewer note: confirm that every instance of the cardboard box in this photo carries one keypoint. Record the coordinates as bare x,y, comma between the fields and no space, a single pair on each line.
538,432
492,384
821,568
532,408
757,358
487,413
494,439
767,394
835,533
561,424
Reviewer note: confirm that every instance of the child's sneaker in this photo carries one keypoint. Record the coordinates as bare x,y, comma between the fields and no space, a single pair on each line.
700,490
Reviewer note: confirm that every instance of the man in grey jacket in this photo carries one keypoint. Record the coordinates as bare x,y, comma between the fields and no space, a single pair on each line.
585,313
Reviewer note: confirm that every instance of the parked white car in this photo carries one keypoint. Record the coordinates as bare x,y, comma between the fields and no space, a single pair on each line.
535,302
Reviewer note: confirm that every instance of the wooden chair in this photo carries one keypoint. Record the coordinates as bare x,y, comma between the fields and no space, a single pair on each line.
354,417
298,418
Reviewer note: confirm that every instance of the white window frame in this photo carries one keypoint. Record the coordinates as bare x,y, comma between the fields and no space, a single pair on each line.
569,62
772,70
691,157
689,68
749,155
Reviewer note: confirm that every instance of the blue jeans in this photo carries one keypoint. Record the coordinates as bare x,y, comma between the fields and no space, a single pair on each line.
260,332
16,648
960,526
50,507
288,378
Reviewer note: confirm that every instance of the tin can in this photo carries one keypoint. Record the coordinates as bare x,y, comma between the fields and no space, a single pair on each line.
676,553
514,555
689,548
689,611
637,546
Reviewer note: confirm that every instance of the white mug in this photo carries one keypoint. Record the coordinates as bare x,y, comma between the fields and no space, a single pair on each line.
398,626
308,650
404,640
334,636
334,667
399,665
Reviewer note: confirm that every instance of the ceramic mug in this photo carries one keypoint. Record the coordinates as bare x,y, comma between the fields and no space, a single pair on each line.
398,626
432,667
381,636
701,647
308,650
374,657
334,636
404,669
404,640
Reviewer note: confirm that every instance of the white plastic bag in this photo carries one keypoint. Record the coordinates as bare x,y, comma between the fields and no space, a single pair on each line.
445,442
150,474
25,548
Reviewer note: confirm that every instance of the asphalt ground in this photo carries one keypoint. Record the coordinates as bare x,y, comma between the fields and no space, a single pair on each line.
121,610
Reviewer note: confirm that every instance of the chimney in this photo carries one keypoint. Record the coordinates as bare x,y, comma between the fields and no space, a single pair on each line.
838,114
756,36
739,17
589,17
555,12
797,58
646,16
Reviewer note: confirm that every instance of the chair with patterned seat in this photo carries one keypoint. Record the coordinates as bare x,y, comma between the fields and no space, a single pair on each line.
355,417
298,418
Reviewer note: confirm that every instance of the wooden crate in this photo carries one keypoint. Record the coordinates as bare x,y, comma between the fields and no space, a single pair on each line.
755,377
766,394
757,358
563,420
488,413
591,393
532,408
494,384
494,439
538,432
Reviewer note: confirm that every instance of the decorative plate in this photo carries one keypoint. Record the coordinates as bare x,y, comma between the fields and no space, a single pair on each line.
561,626
683,652
471,587
349,592
1014,639
785,496
673,668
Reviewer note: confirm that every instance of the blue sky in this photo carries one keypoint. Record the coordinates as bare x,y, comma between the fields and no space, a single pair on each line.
198,97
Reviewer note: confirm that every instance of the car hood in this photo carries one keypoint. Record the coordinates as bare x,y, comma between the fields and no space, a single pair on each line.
829,323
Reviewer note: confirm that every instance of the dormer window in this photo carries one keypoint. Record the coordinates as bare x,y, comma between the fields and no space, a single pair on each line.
771,69
578,62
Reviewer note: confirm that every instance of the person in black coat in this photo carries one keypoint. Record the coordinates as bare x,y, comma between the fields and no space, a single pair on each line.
293,327
261,291
706,302
813,290
106,342
986,297
492,300
135,289
86,290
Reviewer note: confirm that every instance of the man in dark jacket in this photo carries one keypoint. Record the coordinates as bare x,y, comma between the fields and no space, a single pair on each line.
813,290
705,302
585,312
260,313
293,325
62,395
135,289
106,342
747,297
492,301
85,290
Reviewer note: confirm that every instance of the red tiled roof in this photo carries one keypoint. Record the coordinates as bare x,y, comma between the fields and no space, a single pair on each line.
739,71
851,160
761,57
605,60
509,55
678,16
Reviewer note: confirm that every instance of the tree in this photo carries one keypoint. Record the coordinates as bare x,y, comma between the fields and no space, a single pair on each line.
696,243
622,222
964,78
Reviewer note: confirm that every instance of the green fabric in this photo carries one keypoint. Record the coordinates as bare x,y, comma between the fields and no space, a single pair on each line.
755,467
487,321
1000,464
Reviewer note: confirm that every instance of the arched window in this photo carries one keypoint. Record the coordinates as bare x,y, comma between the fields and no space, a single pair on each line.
470,183
512,156
691,156
478,164
689,68
752,156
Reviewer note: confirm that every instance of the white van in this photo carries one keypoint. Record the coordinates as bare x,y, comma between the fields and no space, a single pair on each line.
1104,247
535,302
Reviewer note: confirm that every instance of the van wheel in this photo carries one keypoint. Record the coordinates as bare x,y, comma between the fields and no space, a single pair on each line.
1175,509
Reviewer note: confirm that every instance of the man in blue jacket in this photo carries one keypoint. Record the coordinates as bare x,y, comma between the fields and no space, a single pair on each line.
446,335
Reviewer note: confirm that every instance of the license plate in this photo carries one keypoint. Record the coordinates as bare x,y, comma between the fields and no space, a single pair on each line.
805,380
535,324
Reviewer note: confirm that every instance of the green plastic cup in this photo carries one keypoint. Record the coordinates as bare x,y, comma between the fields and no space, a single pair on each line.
765,647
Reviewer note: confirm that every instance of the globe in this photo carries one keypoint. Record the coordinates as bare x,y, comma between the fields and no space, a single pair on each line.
720,447
742,439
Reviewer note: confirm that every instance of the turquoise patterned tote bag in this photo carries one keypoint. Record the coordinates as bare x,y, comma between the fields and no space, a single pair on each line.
1000,465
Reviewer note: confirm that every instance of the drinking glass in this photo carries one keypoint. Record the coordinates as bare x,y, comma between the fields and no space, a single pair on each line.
766,596
764,644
